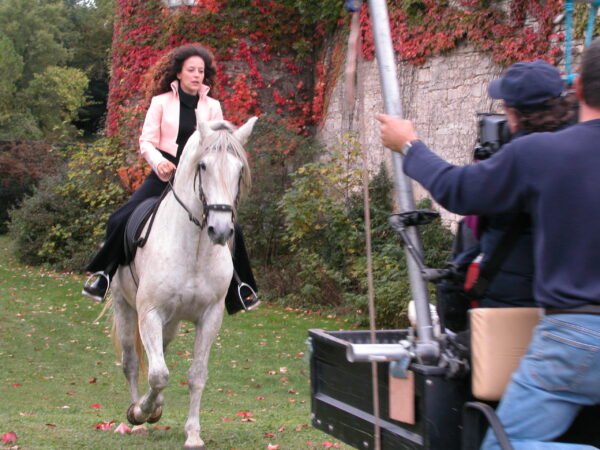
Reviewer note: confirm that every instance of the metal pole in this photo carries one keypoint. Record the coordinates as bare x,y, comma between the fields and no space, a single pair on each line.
568,39
427,348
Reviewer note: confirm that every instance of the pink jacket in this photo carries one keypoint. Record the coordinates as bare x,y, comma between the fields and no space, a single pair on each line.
161,125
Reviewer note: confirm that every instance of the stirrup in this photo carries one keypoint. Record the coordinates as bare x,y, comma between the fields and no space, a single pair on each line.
253,293
88,284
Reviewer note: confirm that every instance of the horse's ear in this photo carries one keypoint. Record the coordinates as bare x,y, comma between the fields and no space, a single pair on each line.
205,130
243,133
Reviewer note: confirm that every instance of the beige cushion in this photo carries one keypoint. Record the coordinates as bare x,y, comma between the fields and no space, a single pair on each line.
499,337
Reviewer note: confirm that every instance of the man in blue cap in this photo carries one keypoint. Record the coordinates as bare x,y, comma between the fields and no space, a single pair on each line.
555,178
534,100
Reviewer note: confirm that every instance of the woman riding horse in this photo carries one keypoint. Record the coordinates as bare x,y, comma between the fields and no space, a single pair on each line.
179,87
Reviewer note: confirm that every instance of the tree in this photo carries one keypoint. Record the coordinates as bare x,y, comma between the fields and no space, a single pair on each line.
91,41
11,69
37,30
53,97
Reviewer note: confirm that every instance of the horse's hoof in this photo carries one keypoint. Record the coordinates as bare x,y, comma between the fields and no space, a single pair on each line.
195,447
131,416
155,416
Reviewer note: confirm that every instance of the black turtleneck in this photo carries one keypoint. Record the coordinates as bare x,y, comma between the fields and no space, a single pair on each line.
187,122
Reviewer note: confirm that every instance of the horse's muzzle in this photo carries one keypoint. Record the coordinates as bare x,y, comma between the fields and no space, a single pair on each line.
220,235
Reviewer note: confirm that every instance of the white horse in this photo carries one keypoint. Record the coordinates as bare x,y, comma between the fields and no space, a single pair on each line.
183,271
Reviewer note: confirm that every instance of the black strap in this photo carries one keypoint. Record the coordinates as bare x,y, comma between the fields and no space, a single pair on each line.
499,254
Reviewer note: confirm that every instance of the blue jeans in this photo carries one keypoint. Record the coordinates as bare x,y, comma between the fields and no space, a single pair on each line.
558,376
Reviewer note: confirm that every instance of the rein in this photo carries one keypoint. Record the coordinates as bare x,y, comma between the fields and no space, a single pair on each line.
206,207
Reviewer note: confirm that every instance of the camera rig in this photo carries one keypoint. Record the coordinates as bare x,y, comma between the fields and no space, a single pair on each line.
492,133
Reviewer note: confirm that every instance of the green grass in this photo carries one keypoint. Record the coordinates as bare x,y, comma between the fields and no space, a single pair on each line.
56,361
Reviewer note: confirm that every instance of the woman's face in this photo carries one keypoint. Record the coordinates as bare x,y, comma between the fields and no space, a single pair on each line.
191,75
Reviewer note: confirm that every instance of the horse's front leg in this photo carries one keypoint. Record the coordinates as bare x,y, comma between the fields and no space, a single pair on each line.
151,331
206,332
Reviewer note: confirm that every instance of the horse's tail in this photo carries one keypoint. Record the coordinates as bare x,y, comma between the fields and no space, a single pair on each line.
138,345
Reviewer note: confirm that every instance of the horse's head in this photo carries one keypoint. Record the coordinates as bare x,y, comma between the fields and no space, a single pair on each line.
221,174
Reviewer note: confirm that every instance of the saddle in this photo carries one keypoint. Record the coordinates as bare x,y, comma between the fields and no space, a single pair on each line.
135,225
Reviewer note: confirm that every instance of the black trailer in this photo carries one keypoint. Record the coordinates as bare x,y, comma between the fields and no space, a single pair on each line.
445,413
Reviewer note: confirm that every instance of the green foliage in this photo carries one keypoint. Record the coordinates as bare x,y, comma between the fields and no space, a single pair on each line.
40,229
20,125
43,43
315,206
63,221
22,165
324,211
59,33
54,97
275,152
314,13
11,69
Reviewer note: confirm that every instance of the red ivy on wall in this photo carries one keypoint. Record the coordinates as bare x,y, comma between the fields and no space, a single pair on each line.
433,27
262,70
255,58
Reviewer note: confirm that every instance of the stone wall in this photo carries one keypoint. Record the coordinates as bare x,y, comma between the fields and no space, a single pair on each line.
441,97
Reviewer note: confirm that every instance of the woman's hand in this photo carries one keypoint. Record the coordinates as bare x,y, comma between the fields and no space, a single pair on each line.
165,169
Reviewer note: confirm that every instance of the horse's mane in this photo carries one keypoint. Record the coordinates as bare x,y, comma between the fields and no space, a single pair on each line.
220,142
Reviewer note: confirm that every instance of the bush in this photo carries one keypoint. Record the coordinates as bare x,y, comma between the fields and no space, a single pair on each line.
324,211
42,229
22,165
63,221
274,152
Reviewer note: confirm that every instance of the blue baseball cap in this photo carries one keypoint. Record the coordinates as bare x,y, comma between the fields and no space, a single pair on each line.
528,83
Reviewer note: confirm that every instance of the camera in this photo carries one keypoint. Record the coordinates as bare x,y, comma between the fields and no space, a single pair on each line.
493,133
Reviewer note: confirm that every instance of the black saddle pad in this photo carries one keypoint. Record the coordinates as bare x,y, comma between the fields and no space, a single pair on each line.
135,225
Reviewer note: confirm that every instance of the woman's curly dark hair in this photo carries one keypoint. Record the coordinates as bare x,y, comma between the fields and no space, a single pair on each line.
549,116
164,72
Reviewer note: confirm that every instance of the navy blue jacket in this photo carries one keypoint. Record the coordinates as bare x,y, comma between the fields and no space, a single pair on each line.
555,177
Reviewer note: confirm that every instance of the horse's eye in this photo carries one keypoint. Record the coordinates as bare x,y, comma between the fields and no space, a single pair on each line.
202,166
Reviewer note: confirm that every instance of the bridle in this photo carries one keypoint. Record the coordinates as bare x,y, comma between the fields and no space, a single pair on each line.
206,207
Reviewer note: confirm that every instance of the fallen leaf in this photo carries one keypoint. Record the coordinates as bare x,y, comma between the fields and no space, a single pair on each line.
248,419
105,426
260,398
273,447
9,437
93,380
281,428
16,384
122,428
244,414
96,406
269,435
158,427
51,425
226,419
140,430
